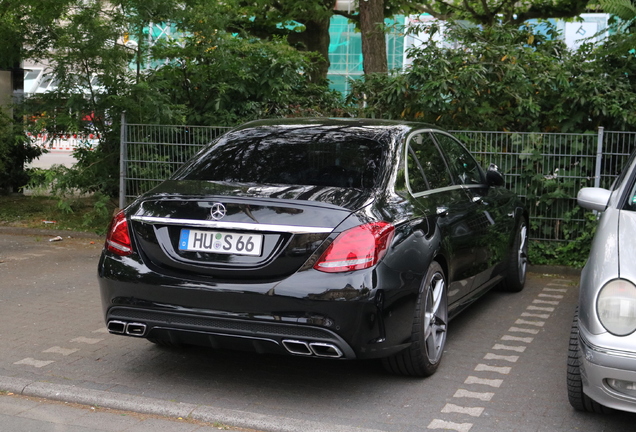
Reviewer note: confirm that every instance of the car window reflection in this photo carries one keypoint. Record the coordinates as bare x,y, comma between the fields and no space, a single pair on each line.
288,159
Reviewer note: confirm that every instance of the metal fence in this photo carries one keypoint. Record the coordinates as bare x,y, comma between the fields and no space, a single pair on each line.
152,153
545,169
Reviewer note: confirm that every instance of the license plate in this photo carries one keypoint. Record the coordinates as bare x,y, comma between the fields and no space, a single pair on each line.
220,242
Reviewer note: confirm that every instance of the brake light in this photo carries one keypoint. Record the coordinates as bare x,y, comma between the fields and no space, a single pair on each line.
357,248
118,237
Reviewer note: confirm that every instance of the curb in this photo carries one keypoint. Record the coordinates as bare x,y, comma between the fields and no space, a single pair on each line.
145,405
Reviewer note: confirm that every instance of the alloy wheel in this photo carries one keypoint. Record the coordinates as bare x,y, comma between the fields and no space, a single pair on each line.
435,318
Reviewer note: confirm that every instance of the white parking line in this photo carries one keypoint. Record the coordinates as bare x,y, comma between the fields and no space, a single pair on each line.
561,290
461,393
504,370
60,350
554,296
33,362
491,356
519,349
532,323
550,302
489,382
471,411
541,308
534,315
523,330
441,424
517,338
90,341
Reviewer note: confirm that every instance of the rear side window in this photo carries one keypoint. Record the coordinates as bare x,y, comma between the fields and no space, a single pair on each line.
426,167
462,164
294,158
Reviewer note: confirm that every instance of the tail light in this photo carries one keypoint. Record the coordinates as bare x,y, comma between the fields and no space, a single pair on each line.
118,237
357,248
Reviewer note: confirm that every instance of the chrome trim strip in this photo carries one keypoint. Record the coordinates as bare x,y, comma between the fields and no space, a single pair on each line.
606,351
152,220
432,191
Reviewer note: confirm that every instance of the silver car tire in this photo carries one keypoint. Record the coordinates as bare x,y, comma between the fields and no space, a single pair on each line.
579,400
515,278
428,339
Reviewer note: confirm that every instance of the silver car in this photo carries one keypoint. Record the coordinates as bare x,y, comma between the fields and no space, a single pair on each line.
602,352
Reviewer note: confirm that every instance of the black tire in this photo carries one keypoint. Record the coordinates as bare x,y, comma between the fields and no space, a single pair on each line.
428,338
579,400
515,278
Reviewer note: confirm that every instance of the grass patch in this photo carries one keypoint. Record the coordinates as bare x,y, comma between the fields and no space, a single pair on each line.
85,214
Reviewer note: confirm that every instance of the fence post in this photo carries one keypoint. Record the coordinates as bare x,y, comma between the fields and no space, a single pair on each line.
599,157
122,161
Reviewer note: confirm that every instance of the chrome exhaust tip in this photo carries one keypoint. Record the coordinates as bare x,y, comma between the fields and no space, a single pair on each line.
116,327
297,347
321,349
135,329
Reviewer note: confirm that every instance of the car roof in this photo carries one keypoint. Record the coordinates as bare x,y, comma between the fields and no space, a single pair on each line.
375,129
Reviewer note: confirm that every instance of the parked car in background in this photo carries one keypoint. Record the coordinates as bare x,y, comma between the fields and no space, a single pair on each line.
601,370
342,239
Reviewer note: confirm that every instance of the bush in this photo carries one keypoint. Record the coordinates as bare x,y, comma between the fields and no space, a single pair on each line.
505,78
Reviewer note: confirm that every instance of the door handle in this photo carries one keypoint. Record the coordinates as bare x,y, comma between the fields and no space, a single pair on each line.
442,211
477,199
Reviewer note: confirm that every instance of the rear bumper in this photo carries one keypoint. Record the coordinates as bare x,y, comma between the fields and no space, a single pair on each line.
217,332
306,314
600,366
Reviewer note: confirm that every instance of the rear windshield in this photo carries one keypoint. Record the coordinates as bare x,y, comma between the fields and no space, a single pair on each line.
290,159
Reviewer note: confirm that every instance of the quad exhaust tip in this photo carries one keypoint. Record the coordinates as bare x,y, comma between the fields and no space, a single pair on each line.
325,350
318,349
135,329
117,327
297,347
130,329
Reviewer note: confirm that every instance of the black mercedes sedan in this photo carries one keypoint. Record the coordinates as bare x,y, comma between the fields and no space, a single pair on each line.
332,238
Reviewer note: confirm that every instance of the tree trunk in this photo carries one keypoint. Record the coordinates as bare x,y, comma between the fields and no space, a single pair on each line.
316,39
373,38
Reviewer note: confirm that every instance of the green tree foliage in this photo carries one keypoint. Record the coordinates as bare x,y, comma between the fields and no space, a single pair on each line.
25,28
623,9
104,64
23,33
493,12
622,22
15,149
506,78
223,79
303,24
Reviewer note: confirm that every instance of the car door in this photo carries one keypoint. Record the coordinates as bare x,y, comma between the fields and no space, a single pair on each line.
492,219
446,204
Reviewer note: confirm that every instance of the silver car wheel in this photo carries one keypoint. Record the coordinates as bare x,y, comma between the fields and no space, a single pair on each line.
435,318
522,253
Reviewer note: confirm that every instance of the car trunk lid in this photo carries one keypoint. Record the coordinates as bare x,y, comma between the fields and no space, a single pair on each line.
209,229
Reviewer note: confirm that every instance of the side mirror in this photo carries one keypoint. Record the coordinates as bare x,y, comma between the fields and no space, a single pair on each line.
593,198
494,177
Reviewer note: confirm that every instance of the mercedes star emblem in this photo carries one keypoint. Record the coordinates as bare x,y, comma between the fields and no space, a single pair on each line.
218,211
